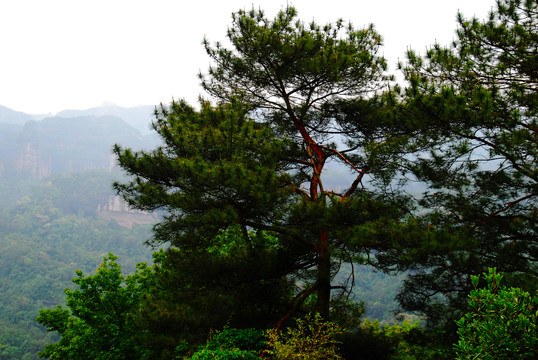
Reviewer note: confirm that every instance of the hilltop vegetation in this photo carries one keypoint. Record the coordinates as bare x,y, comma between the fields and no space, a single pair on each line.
262,256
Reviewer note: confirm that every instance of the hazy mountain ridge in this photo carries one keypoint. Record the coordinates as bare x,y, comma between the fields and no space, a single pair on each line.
9,116
36,149
139,117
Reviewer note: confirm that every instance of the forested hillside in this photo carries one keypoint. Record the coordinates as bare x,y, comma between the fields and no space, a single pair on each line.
57,210
48,229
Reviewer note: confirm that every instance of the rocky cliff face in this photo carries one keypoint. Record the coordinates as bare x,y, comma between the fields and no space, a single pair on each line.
31,163
115,203
119,211
8,148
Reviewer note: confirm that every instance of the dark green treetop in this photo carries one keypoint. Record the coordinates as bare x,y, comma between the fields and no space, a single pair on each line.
283,64
226,284
219,164
291,99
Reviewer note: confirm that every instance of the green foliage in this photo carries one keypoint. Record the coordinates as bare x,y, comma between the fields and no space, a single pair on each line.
220,165
399,341
501,323
98,324
223,285
473,107
255,160
311,338
42,242
232,344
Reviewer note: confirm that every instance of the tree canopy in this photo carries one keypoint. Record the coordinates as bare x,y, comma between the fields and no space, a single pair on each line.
290,99
98,324
500,324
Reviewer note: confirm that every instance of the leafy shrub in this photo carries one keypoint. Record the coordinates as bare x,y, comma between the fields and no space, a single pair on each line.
501,323
312,338
404,341
231,344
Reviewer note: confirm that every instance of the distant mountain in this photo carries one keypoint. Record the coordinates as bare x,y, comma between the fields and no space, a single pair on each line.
8,116
139,117
59,145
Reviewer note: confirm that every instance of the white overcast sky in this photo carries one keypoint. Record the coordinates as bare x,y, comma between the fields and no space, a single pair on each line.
74,54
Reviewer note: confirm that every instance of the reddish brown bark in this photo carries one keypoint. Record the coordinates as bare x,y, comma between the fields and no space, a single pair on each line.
318,161
318,158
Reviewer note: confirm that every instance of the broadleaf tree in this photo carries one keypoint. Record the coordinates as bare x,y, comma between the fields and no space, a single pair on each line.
292,101
501,322
99,321
476,103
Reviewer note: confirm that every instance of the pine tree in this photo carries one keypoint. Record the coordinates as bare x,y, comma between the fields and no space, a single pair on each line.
291,100
476,105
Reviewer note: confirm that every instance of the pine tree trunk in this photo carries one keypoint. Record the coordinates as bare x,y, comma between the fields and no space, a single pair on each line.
324,276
